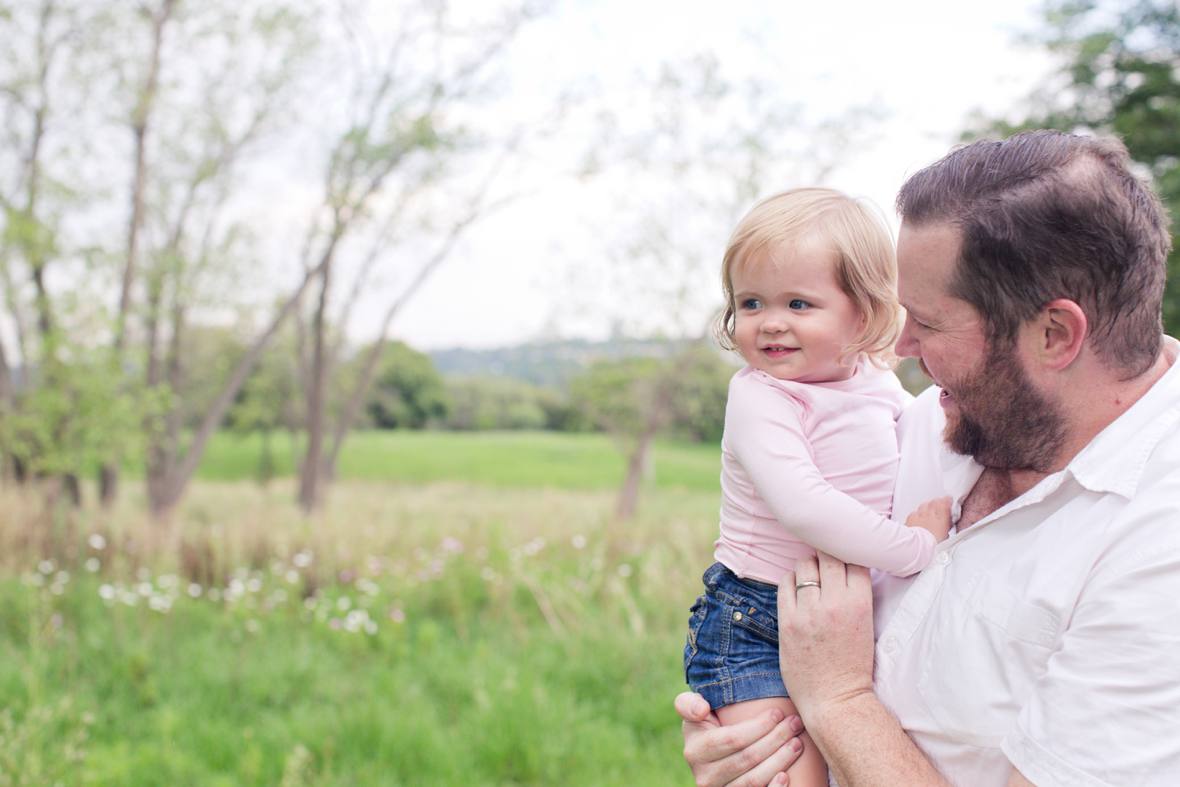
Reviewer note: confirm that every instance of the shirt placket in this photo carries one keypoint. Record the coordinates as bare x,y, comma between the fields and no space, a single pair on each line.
892,645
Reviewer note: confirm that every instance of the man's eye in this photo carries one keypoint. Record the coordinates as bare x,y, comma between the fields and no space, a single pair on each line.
750,304
798,304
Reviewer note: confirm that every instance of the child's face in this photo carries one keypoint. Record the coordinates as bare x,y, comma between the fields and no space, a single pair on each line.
792,319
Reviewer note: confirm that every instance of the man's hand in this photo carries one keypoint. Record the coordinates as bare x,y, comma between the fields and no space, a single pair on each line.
933,516
825,635
751,753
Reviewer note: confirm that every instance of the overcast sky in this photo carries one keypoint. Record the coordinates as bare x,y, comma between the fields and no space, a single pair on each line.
924,64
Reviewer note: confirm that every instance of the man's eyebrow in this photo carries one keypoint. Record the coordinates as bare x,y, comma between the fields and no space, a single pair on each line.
916,313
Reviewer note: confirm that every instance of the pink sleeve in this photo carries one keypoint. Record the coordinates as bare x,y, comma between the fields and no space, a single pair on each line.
764,430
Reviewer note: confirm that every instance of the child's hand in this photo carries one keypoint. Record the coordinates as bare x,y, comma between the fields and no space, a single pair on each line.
933,516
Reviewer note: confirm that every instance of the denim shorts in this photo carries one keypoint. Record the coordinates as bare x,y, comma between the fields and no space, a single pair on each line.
731,654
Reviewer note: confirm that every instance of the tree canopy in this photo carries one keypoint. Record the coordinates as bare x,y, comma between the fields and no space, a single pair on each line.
1119,75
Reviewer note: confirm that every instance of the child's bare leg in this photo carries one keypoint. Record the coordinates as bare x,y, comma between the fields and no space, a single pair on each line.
809,770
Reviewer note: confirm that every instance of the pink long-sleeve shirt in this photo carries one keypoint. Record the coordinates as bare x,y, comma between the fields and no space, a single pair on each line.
807,466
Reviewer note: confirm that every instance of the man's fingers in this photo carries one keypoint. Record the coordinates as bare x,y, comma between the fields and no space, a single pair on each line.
832,572
692,706
860,578
773,754
806,570
786,594
710,744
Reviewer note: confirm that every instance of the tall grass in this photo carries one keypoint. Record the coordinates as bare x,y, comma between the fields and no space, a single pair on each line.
427,633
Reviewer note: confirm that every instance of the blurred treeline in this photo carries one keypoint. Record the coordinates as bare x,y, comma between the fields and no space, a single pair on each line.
409,391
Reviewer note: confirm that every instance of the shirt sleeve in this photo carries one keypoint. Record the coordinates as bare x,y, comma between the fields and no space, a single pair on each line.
1107,709
764,431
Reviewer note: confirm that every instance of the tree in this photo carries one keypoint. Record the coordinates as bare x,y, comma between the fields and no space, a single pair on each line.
210,86
1118,75
269,400
636,399
61,408
408,144
159,19
483,403
407,392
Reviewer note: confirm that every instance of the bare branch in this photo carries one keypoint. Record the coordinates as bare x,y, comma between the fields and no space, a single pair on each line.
196,449
476,211
140,123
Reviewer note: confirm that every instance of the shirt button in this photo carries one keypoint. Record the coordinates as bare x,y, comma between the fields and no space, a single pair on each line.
737,616
944,558
889,645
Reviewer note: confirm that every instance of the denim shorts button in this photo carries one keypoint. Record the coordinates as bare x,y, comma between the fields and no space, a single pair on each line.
737,616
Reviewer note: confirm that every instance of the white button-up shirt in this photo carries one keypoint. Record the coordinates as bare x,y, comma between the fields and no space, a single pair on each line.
1047,635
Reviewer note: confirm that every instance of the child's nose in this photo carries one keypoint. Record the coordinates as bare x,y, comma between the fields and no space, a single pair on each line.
774,323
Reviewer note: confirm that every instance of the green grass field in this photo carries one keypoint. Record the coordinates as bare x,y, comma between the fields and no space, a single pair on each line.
502,459
463,612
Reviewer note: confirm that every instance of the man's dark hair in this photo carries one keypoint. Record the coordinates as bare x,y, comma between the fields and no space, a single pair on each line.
1046,215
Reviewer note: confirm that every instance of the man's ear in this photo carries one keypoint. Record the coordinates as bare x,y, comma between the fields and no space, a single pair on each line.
1059,333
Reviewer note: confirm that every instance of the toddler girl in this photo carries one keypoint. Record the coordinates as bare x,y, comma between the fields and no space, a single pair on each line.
809,453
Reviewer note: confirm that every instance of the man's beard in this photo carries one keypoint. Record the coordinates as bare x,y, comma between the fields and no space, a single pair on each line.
1002,421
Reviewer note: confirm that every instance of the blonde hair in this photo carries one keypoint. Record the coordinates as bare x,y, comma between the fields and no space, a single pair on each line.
866,264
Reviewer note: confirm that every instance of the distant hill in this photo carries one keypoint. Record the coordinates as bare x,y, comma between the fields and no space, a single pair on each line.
552,364
549,364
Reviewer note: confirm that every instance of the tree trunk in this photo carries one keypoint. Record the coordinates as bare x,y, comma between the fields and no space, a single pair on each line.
6,388
73,489
266,458
108,485
369,368
312,470
637,464
140,124
163,496
6,401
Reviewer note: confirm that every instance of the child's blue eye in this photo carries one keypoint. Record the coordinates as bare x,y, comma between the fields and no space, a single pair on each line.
750,304
798,304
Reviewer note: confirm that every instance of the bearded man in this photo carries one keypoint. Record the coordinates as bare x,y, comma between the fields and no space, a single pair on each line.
1042,646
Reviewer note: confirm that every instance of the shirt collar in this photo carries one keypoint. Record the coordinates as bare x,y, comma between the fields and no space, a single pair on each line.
1114,460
